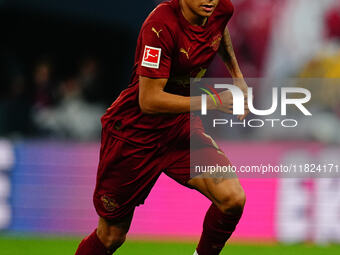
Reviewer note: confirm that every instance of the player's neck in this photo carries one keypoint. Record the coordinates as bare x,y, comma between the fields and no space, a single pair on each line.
190,16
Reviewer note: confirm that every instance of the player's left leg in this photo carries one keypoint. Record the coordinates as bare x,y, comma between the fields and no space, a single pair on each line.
228,200
225,193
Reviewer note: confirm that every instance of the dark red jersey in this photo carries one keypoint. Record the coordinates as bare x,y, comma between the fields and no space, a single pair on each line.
168,47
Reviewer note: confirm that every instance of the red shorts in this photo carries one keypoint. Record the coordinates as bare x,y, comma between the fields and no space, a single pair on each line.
127,172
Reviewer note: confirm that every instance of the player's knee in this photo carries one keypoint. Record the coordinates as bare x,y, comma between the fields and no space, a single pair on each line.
233,201
113,235
115,242
112,240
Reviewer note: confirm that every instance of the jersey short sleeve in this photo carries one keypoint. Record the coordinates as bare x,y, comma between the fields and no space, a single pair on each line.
157,45
225,10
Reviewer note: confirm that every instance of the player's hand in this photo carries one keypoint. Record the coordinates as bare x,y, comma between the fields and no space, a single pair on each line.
227,102
244,87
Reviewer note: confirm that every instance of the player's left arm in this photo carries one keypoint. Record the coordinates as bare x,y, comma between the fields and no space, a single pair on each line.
227,53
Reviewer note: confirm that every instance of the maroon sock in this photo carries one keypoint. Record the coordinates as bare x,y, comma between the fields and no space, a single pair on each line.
217,229
91,245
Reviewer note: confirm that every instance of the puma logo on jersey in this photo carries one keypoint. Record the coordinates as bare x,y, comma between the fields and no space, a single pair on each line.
156,32
186,52
200,74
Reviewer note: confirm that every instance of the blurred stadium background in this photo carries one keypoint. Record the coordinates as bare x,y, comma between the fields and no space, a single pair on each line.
63,62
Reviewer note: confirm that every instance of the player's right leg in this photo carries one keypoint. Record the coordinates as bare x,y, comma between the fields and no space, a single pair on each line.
106,239
113,235
125,176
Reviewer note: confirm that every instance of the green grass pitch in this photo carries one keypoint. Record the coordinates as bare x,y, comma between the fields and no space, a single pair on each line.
66,246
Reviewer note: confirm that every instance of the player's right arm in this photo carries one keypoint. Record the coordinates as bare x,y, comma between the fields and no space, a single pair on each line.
154,100
158,46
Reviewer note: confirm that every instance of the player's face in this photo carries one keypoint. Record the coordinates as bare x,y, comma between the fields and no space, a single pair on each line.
203,8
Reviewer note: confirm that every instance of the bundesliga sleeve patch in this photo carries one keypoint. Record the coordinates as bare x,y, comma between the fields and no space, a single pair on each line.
151,57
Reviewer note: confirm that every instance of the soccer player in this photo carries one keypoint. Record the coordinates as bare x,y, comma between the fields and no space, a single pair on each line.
147,131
